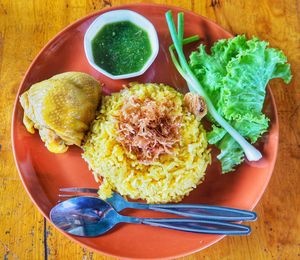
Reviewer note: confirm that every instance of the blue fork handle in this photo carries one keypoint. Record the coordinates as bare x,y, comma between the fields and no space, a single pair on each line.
192,225
199,211
200,226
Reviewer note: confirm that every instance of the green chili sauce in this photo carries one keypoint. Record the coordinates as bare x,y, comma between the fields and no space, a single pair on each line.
121,48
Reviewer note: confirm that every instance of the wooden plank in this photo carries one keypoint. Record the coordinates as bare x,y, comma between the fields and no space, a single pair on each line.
25,29
21,225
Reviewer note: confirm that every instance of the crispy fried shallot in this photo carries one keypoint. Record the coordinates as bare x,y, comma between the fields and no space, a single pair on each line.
148,128
195,104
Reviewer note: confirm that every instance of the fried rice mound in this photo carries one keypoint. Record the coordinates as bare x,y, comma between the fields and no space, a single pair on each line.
145,144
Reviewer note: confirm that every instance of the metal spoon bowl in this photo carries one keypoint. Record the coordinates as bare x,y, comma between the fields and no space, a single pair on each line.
91,216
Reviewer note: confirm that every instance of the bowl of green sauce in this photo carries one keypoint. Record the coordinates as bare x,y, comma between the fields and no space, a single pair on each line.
121,44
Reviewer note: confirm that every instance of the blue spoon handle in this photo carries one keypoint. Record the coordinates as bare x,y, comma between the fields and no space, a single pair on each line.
199,211
192,225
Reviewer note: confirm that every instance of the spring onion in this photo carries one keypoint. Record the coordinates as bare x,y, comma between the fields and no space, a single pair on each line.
194,85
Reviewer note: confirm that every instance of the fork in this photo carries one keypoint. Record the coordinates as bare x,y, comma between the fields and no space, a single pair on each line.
200,211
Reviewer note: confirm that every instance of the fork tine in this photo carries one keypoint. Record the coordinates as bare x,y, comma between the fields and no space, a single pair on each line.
81,190
62,197
76,193
67,196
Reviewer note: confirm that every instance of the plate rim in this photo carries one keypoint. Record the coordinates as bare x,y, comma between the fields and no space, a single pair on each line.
14,119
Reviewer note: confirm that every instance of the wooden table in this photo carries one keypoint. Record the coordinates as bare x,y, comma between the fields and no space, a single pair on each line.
26,26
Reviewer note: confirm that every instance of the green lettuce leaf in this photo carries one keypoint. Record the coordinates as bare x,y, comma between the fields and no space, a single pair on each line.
235,75
231,153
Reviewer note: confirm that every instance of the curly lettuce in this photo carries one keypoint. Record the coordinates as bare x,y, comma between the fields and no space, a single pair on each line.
234,76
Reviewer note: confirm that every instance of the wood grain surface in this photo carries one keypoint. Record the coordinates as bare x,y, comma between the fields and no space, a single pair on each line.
27,25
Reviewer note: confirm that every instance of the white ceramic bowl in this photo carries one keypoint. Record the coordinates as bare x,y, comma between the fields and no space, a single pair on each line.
118,16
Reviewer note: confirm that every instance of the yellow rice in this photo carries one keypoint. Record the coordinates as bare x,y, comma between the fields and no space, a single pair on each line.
168,179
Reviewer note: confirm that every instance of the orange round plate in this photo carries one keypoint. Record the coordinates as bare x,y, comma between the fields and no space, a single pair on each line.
43,173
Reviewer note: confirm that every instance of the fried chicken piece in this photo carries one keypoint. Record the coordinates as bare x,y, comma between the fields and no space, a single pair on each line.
61,108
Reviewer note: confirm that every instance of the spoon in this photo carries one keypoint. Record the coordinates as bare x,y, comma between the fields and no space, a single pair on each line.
91,216
200,211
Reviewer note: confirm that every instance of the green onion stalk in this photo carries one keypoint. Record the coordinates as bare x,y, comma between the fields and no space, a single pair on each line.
194,85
